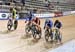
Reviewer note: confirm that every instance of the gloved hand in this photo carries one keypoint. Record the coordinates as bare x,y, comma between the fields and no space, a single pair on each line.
25,21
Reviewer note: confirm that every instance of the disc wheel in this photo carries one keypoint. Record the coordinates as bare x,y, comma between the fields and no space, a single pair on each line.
15,24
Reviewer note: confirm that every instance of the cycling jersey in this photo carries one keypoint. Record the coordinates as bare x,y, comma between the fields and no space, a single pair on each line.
14,13
48,23
58,25
37,21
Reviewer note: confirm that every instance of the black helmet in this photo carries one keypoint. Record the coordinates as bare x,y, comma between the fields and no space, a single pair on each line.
57,21
11,9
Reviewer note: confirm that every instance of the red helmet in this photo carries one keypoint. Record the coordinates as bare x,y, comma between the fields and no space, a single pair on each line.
37,18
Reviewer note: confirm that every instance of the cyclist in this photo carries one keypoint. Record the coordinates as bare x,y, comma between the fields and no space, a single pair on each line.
29,20
48,23
36,22
58,26
12,16
29,17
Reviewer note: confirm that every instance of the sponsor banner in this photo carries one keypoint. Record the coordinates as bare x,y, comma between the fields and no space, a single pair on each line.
72,12
67,13
44,15
6,15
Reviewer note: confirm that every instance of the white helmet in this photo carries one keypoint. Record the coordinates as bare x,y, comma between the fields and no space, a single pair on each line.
47,20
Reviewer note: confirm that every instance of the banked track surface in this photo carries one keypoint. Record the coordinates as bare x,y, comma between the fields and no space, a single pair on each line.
12,42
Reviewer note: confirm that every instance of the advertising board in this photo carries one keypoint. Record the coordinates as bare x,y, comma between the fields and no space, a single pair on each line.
6,15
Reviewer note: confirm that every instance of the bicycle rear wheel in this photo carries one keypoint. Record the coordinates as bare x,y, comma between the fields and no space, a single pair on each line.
15,24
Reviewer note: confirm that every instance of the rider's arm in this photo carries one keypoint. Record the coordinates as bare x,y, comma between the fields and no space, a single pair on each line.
54,24
51,24
45,24
26,19
60,24
38,22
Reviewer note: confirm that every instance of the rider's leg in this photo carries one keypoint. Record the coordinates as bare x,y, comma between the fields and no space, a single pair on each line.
29,22
51,34
60,36
39,28
13,19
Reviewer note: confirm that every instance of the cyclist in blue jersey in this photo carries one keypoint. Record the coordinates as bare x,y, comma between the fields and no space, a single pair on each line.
48,26
48,23
29,18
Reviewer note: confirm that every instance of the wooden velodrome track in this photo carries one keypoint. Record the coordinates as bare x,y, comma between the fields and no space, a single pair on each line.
13,41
